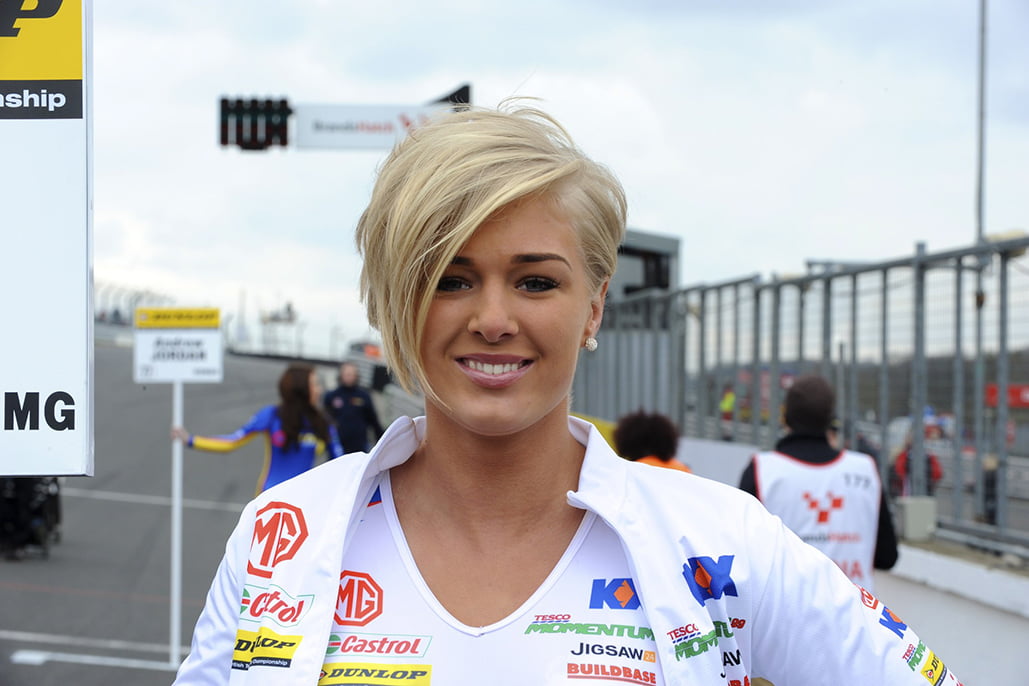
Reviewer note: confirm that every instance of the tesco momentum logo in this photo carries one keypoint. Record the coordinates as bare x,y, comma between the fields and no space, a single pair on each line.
359,600
279,532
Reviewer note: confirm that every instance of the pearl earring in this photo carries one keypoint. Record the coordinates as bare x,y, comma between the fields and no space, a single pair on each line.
591,344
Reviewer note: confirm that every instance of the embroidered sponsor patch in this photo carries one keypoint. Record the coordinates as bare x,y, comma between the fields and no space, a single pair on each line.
378,644
263,648
375,675
274,603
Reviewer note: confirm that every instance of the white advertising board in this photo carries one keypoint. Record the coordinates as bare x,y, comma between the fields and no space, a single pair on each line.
368,127
177,344
46,350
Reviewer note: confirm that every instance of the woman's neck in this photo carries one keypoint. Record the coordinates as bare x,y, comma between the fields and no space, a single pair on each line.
465,479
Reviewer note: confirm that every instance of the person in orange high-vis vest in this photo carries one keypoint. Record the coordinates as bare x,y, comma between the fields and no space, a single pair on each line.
650,438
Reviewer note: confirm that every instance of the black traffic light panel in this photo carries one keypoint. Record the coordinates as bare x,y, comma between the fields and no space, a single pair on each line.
254,124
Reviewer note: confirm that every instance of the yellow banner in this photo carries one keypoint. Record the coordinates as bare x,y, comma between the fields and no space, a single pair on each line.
178,318
41,40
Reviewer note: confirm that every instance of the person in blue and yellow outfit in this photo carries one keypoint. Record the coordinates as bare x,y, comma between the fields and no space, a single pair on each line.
295,431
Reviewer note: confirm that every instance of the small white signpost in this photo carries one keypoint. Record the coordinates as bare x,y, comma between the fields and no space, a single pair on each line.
176,345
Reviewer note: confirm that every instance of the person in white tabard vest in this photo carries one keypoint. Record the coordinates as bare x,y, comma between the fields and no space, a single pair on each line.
833,499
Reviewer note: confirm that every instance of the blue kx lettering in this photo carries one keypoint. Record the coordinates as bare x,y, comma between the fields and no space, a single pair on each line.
709,579
892,622
618,594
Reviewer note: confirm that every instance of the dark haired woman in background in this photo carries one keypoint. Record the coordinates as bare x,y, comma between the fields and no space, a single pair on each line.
296,432
648,438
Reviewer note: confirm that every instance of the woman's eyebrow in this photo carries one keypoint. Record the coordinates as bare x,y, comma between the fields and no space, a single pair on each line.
527,258
538,257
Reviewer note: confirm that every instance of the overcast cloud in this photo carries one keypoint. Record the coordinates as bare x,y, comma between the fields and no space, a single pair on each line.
760,133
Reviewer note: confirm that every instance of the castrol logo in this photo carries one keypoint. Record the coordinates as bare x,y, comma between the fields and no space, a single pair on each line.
274,603
358,645
279,532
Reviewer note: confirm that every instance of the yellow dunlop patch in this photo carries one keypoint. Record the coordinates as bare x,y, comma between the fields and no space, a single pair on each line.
375,675
41,40
934,671
264,648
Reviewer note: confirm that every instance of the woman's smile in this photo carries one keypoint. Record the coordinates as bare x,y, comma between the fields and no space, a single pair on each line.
492,371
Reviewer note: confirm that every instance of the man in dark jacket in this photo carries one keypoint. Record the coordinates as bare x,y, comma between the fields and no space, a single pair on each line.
788,486
353,411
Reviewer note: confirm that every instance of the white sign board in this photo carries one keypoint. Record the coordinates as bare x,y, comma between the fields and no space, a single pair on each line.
46,350
368,127
175,344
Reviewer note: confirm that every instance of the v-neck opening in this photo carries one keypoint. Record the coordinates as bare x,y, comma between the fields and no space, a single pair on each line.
400,540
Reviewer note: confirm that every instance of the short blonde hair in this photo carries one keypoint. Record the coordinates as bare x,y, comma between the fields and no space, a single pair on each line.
446,179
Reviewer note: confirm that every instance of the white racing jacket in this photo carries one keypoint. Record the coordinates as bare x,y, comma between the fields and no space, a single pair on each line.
729,592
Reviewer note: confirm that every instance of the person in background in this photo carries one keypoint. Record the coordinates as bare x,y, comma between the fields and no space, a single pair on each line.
900,481
497,539
725,411
838,441
296,432
832,498
648,438
352,410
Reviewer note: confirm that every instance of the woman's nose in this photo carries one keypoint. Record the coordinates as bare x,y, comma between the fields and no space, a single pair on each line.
493,318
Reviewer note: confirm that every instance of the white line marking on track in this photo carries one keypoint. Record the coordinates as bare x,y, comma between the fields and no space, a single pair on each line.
41,657
139,499
80,642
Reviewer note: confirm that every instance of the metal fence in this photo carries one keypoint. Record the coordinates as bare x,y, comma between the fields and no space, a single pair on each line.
933,347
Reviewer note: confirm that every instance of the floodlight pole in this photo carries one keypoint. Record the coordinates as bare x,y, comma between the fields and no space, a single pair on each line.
980,296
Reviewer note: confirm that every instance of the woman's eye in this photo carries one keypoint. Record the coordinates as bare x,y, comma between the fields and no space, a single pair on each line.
538,284
451,283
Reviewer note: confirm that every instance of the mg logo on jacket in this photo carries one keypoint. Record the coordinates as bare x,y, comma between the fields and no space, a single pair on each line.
279,532
359,600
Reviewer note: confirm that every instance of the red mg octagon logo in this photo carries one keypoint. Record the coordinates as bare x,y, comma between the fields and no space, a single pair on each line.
279,532
359,600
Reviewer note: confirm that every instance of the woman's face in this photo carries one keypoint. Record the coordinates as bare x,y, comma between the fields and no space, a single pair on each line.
509,316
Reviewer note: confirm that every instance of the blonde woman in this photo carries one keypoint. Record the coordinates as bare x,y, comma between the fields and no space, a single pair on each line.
496,539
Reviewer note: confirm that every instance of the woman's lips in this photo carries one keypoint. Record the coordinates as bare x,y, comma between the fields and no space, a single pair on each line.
494,373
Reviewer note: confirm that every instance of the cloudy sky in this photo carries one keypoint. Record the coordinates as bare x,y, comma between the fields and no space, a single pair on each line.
761,133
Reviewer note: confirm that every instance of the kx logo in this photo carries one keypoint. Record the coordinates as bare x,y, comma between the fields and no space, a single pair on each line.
892,622
13,10
709,579
618,594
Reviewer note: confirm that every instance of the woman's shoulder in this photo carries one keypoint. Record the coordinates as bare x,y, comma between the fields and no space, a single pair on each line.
268,412
644,487
675,484
320,483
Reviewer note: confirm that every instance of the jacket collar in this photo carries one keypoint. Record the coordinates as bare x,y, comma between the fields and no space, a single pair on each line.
602,481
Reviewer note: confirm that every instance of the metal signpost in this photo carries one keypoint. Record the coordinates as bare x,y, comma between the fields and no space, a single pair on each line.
177,345
46,188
